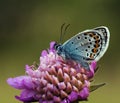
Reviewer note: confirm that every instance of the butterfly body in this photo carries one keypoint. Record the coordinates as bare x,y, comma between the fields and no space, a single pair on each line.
85,46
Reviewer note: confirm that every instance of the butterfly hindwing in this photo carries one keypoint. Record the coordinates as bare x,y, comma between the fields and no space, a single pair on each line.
105,40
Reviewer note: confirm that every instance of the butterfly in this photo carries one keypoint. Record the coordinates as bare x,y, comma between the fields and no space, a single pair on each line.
85,47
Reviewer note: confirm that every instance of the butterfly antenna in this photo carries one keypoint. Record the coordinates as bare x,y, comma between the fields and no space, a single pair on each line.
61,33
66,29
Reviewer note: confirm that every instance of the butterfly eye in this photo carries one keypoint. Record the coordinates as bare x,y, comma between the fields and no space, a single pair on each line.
56,46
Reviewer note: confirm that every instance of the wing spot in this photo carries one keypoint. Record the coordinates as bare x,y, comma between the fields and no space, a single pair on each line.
98,37
91,56
89,39
72,42
87,54
95,37
96,45
85,37
97,41
78,37
88,46
91,34
90,42
94,50
86,50
103,30
83,58
85,33
76,48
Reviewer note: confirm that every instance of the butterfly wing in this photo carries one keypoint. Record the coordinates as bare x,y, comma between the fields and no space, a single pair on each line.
104,31
88,45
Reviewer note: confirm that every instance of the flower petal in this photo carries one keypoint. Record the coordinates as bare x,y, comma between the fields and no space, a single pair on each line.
44,53
27,96
20,82
93,65
52,46
84,93
66,101
73,96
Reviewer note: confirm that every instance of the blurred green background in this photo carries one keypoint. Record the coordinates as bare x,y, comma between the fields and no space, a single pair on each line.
27,27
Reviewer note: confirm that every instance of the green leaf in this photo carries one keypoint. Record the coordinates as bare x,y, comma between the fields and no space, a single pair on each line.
94,87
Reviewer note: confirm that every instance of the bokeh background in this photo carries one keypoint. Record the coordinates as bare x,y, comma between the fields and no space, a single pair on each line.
27,27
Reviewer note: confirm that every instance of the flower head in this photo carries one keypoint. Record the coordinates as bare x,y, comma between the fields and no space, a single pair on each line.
54,80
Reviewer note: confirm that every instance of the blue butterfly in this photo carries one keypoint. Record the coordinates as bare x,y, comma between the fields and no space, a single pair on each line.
85,46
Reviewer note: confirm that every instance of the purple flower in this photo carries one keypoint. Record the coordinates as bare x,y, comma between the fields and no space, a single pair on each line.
54,80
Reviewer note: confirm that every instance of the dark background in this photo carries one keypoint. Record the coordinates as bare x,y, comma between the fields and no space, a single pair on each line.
27,27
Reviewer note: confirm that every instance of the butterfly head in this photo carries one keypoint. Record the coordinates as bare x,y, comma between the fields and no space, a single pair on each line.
58,46
59,49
